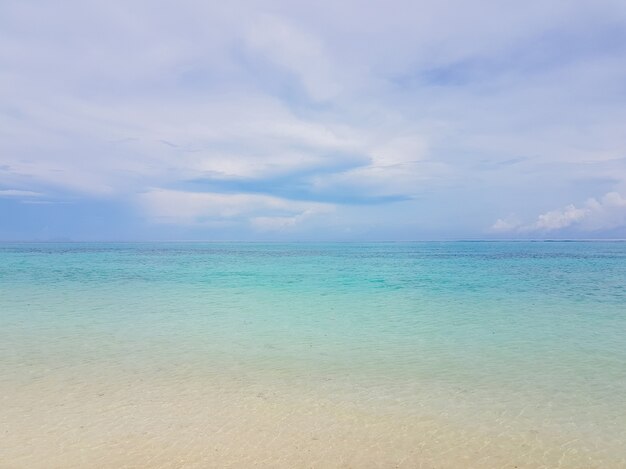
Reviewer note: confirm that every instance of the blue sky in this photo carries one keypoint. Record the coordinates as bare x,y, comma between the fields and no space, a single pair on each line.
244,120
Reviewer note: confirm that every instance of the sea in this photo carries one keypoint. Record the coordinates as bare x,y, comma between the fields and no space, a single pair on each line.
421,354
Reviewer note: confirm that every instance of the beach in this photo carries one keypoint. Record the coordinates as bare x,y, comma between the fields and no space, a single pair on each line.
433,355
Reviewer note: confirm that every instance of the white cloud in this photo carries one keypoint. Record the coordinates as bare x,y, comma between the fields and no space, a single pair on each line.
557,219
509,223
198,208
399,150
118,147
284,223
19,193
300,53
606,213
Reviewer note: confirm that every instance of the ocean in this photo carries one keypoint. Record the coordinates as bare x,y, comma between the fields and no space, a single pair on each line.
425,354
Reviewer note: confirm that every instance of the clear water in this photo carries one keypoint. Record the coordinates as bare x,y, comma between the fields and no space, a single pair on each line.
513,353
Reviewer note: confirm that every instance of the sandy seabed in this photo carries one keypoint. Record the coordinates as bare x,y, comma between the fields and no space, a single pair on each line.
61,420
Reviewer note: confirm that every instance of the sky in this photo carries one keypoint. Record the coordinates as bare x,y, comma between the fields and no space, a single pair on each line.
312,121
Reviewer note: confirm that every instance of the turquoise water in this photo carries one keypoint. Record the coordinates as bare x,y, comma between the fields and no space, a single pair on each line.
524,336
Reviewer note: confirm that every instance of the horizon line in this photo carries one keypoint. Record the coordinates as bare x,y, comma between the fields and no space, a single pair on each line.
191,241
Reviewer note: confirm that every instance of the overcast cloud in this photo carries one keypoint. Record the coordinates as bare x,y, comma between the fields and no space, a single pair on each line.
312,120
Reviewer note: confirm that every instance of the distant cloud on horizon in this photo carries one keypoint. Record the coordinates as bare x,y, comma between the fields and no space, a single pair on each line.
606,213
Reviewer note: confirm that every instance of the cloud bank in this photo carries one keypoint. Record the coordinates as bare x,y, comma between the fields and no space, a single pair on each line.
606,213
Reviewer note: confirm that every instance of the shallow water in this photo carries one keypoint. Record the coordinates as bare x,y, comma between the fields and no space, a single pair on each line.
313,355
